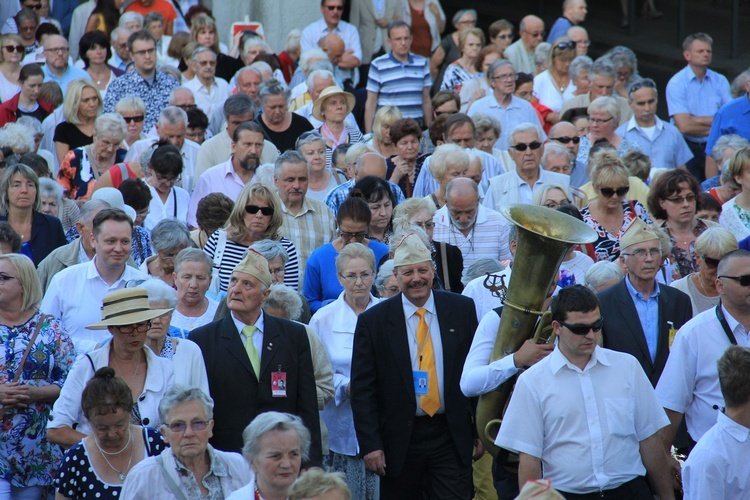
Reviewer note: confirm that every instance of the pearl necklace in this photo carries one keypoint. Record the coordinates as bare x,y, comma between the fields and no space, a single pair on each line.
120,474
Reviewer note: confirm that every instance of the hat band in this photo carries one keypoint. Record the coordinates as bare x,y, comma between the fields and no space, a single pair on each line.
122,313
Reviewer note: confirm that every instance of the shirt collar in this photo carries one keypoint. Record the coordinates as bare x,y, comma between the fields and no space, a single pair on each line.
217,468
731,322
410,61
259,323
410,309
92,272
636,294
520,182
632,124
304,208
557,360
734,429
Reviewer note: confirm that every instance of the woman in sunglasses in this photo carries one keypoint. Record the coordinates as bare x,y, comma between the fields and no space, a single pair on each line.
553,86
12,52
256,216
611,212
133,110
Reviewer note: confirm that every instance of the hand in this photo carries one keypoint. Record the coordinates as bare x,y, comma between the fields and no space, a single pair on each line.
530,353
13,395
478,450
676,472
434,9
382,22
375,462
402,170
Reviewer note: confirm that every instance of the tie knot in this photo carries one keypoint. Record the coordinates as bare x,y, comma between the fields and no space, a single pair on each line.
421,312
249,331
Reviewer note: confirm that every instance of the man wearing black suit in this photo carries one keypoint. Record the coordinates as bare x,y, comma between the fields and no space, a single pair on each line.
417,436
639,312
256,362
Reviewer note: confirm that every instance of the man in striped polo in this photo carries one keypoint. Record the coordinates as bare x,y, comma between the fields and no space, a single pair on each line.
400,79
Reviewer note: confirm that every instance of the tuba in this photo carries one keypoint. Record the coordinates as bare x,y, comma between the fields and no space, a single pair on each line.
544,237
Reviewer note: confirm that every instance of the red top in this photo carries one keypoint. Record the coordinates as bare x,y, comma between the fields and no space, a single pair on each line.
161,6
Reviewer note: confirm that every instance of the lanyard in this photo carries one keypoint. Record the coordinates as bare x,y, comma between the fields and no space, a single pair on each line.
725,325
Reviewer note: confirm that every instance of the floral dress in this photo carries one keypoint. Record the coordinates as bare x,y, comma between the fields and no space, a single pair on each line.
607,245
685,262
77,175
26,457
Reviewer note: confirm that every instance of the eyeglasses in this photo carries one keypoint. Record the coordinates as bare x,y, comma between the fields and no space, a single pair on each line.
180,427
536,34
505,37
353,236
640,84
14,48
58,50
744,280
598,121
565,139
146,52
584,329
141,327
392,289
186,107
34,7
555,205
339,8
133,119
509,76
679,200
468,21
641,253
521,147
608,192
254,209
167,180
352,278
710,263
565,45
4,278
424,225
279,271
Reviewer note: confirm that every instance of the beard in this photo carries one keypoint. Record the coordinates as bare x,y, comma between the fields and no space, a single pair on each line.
250,163
464,226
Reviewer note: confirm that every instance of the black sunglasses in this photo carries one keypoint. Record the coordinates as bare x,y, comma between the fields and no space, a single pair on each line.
135,119
610,192
521,147
254,209
565,139
640,84
584,329
744,280
565,45
710,263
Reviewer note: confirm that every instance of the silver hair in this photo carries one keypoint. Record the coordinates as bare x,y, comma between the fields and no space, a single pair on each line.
284,298
541,53
190,254
153,17
178,394
17,137
384,271
158,291
356,151
555,149
239,104
445,155
497,65
270,249
200,50
272,87
309,56
172,115
727,141
49,188
293,40
318,73
111,126
273,421
263,67
180,89
402,232
354,251
483,123
461,13
31,123
480,267
133,104
129,17
309,138
118,30
578,65
90,209
290,156
715,242
170,234
520,129
623,56
254,41
603,67
264,175
405,210
602,272
358,164
607,104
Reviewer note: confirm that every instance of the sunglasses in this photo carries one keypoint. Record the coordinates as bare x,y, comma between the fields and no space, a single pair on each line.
339,8
710,263
565,45
521,147
744,280
584,329
254,209
640,84
610,192
14,48
565,139
133,119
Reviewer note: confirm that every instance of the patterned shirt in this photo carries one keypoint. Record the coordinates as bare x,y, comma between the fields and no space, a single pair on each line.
607,245
156,95
400,84
686,262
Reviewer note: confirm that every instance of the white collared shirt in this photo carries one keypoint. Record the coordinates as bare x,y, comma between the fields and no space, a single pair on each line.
189,153
209,99
176,207
259,332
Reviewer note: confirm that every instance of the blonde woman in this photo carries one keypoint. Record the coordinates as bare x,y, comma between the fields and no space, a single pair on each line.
381,125
735,214
203,32
81,106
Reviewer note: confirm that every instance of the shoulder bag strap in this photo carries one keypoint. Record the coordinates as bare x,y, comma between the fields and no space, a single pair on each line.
725,325
17,377
444,259
176,491
174,197
221,245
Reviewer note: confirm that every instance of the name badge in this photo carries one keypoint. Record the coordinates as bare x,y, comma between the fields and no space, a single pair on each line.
420,382
278,384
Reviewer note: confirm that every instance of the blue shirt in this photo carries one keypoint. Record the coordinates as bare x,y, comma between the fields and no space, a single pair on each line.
648,314
732,118
155,93
686,94
400,84
559,29
426,184
667,148
70,74
517,112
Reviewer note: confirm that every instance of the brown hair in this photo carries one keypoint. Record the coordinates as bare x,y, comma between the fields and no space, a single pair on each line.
403,128
105,393
666,185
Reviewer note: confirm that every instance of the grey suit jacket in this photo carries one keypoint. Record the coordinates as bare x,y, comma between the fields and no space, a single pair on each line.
363,15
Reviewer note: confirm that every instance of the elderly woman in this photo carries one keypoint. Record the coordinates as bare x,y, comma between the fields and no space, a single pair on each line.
673,200
20,205
403,169
95,51
213,212
626,65
321,180
352,219
133,110
735,214
332,107
447,163
488,130
551,196
711,246
385,282
31,383
604,117
168,238
190,467
167,199
476,88
275,444
51,197
603,274
13,50
280,126
316,484
448,50
81,106
554,85
717,162
97,466
82,167
192,277
611,212
463,69
381,135
127,316
256,216
579,72
26,102
377,192
334,324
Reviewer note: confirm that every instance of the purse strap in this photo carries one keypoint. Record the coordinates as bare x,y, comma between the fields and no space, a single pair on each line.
444,259
176,491
17,377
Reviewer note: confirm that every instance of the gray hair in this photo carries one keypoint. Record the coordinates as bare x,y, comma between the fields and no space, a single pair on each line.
273,421
461,13
715,242
178,394
623,56
270,249
238,105
254,41
199,50
737,88
405,210
172,115
111,126
579,65
384,271
604,67
541,193
290,156
484,123
181,88
356,151
129,17
191,254
326,65
520,129
607,104
90,209
402,232
284,298
310,137
497,65
480,267
17,137
555,149
541,53
158,291
602,272
132,104
318,73
727,141
153,17
293,40
264,68
170,234
31,123
118,30
273,87
311,55
49,188
354,251
445,155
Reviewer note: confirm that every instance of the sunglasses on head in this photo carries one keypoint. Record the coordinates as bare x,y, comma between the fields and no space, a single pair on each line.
610,192
711,263
584,329
640,84
565,139
254,209
565,45
744,280
521,147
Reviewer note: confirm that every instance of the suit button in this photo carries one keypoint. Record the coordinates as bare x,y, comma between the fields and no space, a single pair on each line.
145,421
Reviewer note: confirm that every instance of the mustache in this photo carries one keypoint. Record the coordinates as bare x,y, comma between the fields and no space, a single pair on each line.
417,284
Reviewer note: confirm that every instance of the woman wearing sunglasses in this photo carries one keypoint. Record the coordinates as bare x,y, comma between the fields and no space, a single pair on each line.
12,52
611,212
256,216
553,86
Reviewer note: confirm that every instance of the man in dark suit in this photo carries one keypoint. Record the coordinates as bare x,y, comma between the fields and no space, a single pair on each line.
639,312
418,439
256,362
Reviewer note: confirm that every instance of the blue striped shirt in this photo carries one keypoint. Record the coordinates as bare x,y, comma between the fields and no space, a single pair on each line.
400,84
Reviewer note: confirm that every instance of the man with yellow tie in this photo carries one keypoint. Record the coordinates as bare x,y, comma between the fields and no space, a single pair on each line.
413,424
256,362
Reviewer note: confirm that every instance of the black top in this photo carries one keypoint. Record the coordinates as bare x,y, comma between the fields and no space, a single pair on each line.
69,134
46,235
285,140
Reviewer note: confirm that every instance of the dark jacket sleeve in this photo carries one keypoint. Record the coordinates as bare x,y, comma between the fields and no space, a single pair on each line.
307,400
363,389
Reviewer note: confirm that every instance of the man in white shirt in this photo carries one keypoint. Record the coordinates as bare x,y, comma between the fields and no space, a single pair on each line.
210,92
585,417
718,466
521,52
73,291
121,57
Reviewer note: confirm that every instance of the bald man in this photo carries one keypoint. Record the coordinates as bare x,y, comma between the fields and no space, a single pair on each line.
574,13
580,37
521,52
57,69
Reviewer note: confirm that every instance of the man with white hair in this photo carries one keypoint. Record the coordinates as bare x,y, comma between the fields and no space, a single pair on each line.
120,53
574,13
602,76
210,91
306,60
317,81
556,158
248,80
519,185
521,52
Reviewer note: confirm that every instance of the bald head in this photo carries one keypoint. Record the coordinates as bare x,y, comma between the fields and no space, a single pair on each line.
371,164
531,30
334,46
181,96
575,10
461,187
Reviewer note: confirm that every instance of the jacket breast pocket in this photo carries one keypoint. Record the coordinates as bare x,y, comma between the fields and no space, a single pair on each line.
620,416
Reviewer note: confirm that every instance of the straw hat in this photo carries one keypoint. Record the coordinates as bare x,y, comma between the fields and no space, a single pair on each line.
329,92
126,307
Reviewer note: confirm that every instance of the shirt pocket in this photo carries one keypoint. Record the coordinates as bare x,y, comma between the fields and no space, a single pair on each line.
620,416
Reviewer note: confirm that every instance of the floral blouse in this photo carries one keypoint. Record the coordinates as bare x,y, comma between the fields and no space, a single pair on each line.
685,262
77,176
607,245
26,457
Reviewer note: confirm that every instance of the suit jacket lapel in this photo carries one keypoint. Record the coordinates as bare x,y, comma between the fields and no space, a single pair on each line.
448,337
633,322
397,337
662,343
234,345
271,343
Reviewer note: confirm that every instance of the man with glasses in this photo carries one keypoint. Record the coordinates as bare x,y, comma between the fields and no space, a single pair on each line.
152,86
574,13
689,385
662,142
57,68
521,52
579,36
603,76
210,91
120,53
564,133
586,413
502,105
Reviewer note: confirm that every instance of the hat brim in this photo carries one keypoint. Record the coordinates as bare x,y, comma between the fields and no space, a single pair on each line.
318,106
129,319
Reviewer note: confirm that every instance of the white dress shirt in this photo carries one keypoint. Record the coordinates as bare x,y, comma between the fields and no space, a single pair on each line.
176,207
212,98
509,188
188,151
484,301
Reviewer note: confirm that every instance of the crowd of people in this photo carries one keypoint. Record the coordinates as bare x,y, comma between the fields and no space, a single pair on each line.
229,271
